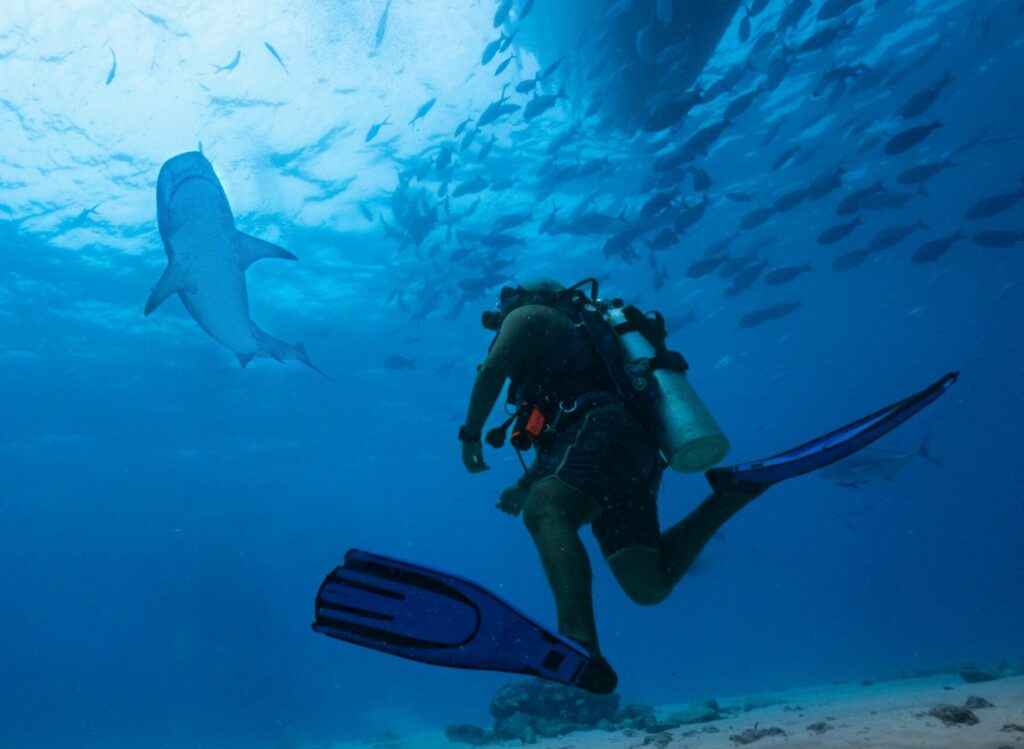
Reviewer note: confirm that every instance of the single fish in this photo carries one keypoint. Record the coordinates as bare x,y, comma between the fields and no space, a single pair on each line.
889,201
789,200
995,204
470,187
462,126
527,86
833,234
485,149
706,266
494,109
382,26
500,241
444,158
504,64
922,172
540,104
775,312
231,65
792,13
851,203
932,250
375,128
893,235
998,238
468,138
744,29
525,11
741,103
874,464
784,157
784,275
826,184
850,260
501,14
491,50
704,138
207,258
690,215
701,179
922,101
821,39
277,57
422,111
113,66
755,218
159,21
550,69
907,139
667,115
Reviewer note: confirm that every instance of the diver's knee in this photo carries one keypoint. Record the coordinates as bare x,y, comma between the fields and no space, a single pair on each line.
647,595
640,573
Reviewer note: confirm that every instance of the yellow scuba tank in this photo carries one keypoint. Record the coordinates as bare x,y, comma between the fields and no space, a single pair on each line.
688,435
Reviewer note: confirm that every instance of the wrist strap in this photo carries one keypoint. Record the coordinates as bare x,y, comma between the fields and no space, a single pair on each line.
466,436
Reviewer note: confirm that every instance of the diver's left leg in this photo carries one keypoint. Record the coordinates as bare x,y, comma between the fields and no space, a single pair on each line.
648,574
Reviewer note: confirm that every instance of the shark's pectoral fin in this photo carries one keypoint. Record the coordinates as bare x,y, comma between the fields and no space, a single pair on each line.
251,249
244,359
171,282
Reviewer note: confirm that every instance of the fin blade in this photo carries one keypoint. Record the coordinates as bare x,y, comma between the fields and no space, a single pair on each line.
251,249
244,359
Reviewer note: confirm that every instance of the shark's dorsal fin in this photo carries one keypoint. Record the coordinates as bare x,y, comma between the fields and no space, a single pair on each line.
244,359
171,282
251,249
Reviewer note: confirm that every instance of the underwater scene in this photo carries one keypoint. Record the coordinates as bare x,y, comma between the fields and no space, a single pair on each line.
422,374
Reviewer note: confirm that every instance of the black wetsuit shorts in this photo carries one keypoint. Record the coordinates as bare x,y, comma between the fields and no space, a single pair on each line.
609,456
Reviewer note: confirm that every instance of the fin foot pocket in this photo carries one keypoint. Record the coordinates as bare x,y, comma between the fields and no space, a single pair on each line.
598,676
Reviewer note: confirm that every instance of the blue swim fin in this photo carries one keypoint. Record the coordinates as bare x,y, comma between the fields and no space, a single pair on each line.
829,448
434,617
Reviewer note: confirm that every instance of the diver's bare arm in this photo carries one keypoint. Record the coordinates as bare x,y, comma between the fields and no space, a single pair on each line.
525,330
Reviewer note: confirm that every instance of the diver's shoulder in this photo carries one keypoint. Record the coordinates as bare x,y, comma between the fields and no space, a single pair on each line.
533,316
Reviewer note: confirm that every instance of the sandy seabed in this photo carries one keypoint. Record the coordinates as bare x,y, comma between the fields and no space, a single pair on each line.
883,715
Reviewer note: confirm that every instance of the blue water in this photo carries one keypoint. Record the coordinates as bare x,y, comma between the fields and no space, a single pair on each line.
166,516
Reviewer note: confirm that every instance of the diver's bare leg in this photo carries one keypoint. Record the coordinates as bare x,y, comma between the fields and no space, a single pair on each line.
553,514
648,575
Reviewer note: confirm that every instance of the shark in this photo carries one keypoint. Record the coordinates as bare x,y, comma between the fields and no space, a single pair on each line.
873,464
207,258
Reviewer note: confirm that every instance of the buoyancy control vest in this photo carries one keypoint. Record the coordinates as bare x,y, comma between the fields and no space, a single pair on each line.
614,352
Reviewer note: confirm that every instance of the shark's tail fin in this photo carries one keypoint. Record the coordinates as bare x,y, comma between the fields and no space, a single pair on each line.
923,452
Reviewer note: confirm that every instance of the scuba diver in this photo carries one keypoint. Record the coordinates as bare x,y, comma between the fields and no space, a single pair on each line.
607,407
606,415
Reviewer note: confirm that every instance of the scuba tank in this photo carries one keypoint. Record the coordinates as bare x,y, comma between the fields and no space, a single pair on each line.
687,433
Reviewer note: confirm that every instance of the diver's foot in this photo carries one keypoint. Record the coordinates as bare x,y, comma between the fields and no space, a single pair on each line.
725,482
598,677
